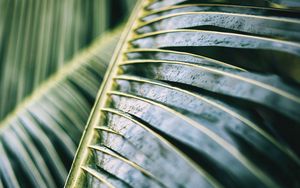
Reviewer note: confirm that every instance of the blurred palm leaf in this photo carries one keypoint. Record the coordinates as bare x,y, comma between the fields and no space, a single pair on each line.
38,140
38,37
39,135
199,95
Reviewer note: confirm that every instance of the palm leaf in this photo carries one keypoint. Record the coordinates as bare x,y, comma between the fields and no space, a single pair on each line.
198,95
38,136
39,139
38,37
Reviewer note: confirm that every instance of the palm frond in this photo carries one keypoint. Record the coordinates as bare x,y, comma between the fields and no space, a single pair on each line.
38,37
198,95
39,139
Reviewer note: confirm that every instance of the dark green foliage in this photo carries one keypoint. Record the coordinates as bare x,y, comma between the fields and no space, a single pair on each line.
200,95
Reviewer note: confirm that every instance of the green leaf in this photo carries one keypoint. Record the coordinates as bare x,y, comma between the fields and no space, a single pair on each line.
198,95
38,140
38,37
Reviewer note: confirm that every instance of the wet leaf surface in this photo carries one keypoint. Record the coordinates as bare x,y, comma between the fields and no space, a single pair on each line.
210,89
